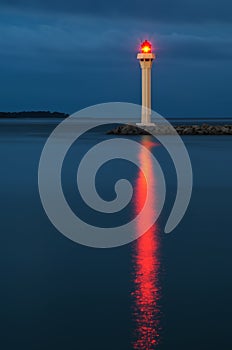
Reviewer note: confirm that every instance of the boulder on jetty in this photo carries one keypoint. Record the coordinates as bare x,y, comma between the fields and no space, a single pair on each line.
128,129
203,129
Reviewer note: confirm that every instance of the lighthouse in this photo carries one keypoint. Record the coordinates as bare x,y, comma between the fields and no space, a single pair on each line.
146,58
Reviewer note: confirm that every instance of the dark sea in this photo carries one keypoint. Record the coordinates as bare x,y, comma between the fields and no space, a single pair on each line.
162,291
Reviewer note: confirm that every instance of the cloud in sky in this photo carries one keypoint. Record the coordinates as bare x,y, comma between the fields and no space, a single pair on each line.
86,38
157,10
45,54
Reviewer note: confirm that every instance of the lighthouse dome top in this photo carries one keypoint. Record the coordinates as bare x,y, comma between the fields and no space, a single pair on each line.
146,47
145,52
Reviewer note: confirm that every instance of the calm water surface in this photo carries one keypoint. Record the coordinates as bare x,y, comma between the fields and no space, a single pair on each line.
159,292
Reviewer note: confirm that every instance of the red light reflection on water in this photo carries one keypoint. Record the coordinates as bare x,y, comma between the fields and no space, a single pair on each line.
146,292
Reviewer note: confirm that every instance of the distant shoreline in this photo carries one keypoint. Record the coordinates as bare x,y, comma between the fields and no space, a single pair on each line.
196,127
48,114
32,114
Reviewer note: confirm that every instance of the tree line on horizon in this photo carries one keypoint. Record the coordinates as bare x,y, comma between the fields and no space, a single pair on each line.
33,114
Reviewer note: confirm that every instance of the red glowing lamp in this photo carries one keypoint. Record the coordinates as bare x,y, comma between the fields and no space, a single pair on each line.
146,47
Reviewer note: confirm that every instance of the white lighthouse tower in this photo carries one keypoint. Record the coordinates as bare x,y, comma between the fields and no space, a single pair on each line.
146,57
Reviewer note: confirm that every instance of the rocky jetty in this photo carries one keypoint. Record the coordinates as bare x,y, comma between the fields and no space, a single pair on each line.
203,129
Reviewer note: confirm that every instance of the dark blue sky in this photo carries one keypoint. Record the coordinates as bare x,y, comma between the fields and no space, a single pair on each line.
65,55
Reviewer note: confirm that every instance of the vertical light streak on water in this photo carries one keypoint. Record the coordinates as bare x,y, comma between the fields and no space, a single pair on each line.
146,264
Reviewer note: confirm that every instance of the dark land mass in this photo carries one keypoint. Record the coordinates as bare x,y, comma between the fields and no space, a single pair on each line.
33,114
204,129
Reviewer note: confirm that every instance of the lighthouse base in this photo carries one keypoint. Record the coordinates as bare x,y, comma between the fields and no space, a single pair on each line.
145,124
